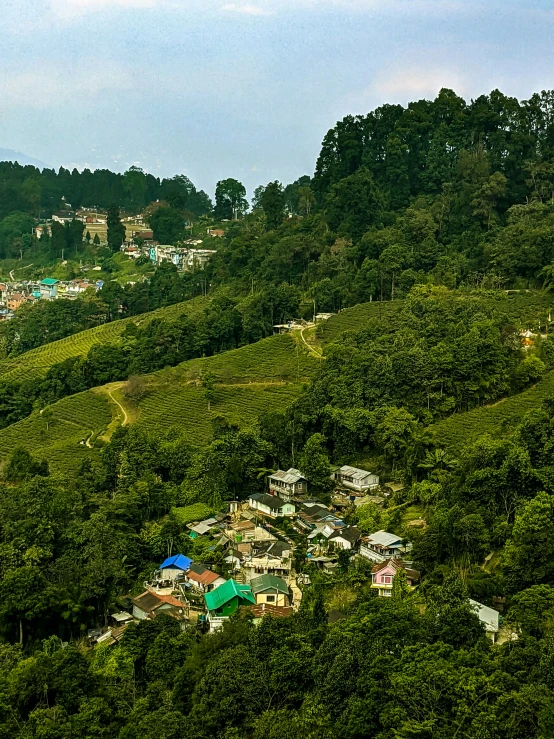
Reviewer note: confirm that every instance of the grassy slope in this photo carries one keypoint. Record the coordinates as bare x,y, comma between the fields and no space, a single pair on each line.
256,378
462,429
36,362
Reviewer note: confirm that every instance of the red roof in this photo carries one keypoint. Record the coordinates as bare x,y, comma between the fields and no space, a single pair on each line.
170,600
205,578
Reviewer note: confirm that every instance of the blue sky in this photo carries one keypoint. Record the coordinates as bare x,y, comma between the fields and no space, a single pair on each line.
244,89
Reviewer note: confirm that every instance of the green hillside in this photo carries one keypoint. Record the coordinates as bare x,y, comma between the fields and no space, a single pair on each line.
36,362
456,432
264,376
527,308
63,440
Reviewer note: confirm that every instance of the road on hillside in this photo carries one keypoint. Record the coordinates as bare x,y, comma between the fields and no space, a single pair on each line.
12,278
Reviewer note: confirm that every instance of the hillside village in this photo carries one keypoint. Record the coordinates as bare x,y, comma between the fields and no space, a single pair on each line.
263,570
138,244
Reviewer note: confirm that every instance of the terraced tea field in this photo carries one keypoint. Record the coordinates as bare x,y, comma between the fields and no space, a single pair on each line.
64,442
272,359
36,363
462,429
355,318
249,381
185,407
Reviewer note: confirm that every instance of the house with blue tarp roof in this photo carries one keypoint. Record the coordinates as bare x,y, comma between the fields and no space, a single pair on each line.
172,567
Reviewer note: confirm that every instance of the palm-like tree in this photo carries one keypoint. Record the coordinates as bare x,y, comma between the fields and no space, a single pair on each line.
438,460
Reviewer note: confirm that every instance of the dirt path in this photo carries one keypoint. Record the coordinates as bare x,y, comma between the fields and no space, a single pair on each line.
116,401
310,348
12,278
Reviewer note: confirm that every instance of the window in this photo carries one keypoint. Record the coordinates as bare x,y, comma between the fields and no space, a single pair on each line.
387,579
270,598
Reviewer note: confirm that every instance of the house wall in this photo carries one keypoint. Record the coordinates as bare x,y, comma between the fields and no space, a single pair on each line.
275,599
341,543
170,573
139,613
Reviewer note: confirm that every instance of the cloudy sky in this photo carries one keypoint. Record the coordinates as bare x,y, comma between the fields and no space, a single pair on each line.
244,89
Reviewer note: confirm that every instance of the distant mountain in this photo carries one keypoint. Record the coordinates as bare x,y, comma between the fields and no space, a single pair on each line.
8,155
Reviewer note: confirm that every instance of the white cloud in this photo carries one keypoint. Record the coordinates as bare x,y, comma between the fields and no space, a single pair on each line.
246,9
417,82
47,88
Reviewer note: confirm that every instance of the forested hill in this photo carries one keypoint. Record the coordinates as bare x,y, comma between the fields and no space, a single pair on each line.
441,191
428,230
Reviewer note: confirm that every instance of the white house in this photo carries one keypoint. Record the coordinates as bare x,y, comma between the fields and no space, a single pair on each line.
271,505
381,546
345,538
355,479
488,617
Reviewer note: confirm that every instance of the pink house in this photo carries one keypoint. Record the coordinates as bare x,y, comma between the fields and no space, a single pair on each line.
383,574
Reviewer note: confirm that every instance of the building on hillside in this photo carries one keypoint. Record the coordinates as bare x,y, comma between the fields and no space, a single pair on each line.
222,602
247,531
270,589
287,485
203,579
203,527
488,617
174,567
355,479
216,232
381,546
345,538
16,300
270,505
383,574
233,559
149,605
273,560
48,288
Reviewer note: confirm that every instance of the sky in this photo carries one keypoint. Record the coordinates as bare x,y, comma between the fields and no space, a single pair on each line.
245,89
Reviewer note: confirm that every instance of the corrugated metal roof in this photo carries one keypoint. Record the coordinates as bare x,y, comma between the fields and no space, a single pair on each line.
290,476
384,538
226,592
355,472
268,582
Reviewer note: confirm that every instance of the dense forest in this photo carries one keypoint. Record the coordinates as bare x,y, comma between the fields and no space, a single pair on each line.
434,208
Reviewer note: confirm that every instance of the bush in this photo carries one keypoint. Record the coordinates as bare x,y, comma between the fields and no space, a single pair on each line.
188,514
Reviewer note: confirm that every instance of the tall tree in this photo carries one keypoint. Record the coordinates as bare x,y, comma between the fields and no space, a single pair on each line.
230,199
116,230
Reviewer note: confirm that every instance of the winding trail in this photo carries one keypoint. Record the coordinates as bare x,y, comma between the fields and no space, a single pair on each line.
12,278
309,346
116,401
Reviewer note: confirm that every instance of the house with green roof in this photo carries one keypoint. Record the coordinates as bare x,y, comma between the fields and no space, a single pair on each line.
222,602
48,288
270,589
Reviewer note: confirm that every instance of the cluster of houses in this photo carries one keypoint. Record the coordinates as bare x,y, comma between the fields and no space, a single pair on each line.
256,573
186,257
15,294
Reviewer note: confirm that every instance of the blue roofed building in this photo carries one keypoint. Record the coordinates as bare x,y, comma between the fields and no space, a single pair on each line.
172,567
